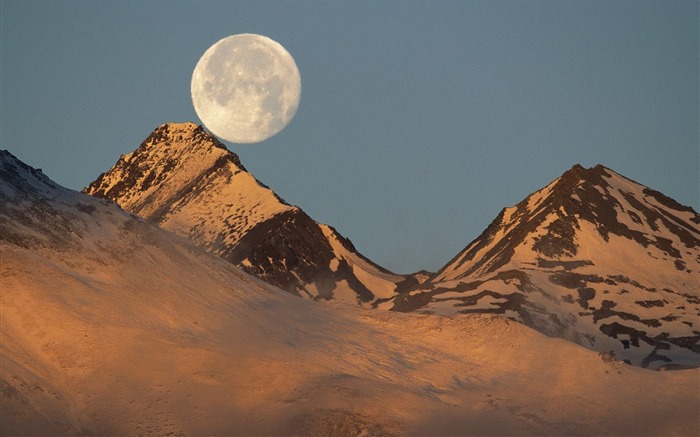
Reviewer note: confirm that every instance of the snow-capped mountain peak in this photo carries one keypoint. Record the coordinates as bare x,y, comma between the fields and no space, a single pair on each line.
593,257
548,222
179,162
184,179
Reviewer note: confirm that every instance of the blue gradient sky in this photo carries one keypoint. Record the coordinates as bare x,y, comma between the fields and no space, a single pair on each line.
418,122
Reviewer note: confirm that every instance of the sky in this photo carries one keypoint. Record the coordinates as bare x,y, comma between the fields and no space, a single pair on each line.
418,121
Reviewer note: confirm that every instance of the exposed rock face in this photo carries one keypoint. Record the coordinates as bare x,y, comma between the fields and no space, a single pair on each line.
184,179
594,258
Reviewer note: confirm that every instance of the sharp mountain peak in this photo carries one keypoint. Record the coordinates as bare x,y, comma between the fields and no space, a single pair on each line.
185,179
185,139
593,257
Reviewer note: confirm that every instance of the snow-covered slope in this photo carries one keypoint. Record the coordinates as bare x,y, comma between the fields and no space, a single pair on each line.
185,180
594,258
112,326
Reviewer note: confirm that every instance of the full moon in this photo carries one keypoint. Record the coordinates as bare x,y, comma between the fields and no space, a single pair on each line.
246,88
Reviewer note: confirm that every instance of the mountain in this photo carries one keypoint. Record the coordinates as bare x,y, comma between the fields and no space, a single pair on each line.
114,326
185,180
594,258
